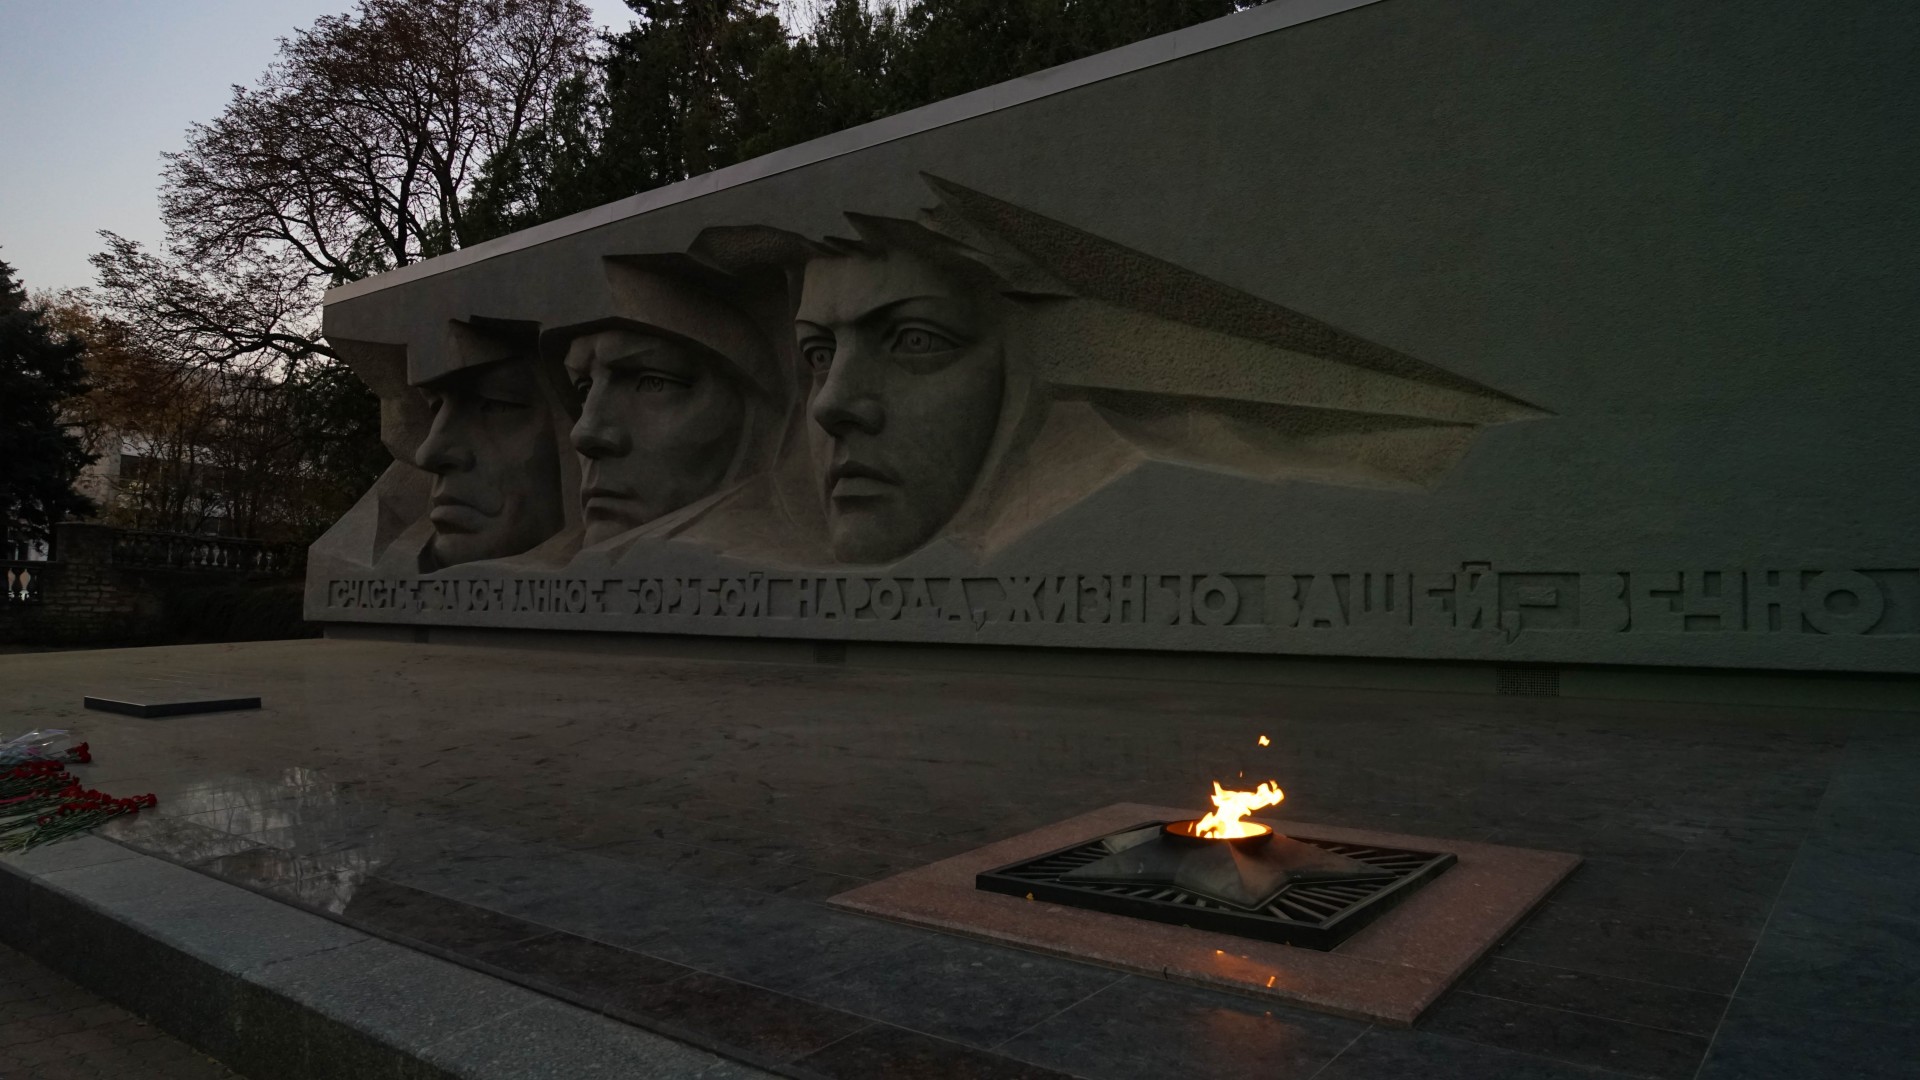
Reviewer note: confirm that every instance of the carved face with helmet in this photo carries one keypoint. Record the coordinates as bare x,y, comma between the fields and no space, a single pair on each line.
676,391
908,379
492,446
979,368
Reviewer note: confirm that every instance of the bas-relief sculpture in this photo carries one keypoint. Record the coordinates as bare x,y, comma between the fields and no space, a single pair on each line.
495,463
908,376
1308,331
659,427
680,396
973,373
483,426
961,377
839,433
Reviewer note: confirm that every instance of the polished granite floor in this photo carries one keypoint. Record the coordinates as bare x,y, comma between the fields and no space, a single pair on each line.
654,838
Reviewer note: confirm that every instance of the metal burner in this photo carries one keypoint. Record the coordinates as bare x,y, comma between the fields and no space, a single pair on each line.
1292,889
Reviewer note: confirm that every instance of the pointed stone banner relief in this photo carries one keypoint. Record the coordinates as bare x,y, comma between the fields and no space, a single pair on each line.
1043,362
1190,370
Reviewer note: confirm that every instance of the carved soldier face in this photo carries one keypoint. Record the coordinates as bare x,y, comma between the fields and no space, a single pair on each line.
908,376
658,429
496,464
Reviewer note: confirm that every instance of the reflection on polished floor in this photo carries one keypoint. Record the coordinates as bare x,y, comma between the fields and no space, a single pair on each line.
654,838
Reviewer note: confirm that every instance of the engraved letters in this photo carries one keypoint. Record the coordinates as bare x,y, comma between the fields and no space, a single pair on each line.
902,434
1477,598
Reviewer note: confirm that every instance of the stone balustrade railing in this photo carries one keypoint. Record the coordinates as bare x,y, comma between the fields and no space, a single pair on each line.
97,583
180,551
23,582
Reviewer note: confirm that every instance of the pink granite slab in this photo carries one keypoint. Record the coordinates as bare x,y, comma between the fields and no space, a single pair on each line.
1388,972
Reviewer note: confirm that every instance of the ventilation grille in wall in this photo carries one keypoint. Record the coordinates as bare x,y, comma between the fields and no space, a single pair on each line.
1527,680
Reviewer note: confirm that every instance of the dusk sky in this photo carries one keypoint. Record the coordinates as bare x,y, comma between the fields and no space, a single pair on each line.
93,91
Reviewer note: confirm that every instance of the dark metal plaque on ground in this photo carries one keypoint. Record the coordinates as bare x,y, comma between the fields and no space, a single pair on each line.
156,709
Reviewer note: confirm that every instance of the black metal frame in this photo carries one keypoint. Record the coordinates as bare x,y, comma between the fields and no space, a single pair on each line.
152,710
1327,912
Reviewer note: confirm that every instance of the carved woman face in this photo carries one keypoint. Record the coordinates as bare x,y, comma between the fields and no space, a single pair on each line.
658,429
495,464
908,376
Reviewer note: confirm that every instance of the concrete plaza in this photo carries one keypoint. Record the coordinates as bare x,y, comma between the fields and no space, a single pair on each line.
654,838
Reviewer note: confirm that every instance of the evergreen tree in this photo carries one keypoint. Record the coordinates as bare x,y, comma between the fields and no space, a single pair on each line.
39,456
334,422
673,96
696,85
957,46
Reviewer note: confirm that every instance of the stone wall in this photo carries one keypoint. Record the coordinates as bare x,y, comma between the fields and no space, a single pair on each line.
1468,330
78,596
111,586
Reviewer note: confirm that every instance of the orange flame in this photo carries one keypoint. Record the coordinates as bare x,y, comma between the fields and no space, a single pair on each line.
1264,740
1228,819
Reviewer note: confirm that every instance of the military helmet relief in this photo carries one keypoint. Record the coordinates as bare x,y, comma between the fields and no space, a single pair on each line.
847,401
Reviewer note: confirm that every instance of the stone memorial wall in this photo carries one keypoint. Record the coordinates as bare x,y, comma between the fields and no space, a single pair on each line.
1411,328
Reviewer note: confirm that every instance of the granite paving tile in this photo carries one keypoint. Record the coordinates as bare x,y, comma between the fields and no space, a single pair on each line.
773,1025
173,838
1388,1054
856,862
967,991
465,855
299,978
510,874
550,1041
1628,1000
523,878
1858,964
308,838
285,823
158,902
73,854
412,994
195,792
630,909
736,835
52,1028
793,880
883,1052
1669,931
1738,896
420,760
1833,880
783,943
1613,948
722,865
434,920
1140,1029
591,971
275,1034
695,862
1878,771
1623,846
413,836
1764,1041
275,870
1871,827
1566,1036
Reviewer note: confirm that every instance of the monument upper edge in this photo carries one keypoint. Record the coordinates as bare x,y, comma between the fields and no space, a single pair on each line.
1215,33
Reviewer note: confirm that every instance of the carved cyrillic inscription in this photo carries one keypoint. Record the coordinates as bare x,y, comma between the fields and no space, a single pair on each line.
1475,598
